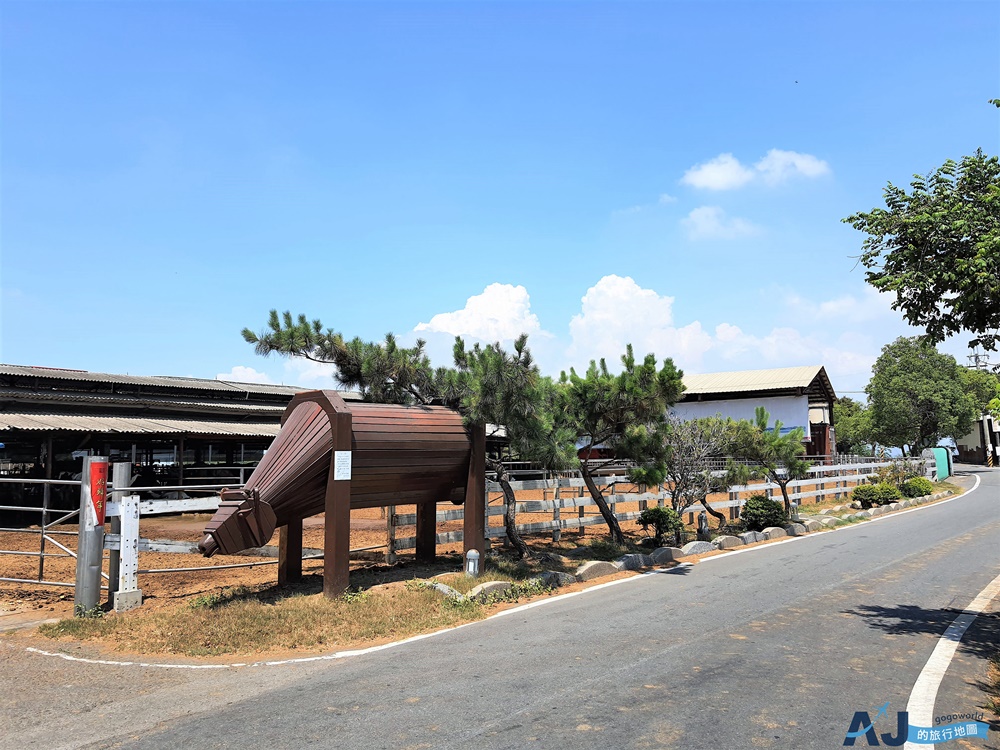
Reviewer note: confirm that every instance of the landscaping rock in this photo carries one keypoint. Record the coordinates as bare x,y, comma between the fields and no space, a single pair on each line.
773,532
634,562
490,587
814,525
795,529
752,537
830,522
865,514
555,579
906,503
663,555
697,548
827,511
446,590
727,542
595,569
895,506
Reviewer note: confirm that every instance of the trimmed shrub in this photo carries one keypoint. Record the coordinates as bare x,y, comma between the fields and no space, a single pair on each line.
865,494
759,512
917,487
663,520
886,493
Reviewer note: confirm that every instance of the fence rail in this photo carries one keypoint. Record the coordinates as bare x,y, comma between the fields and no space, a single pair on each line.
834,480
827,480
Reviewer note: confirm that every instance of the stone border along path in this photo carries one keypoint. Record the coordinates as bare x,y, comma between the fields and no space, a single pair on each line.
587,571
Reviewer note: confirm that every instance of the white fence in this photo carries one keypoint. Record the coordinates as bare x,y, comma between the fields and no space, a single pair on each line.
829,481
571,508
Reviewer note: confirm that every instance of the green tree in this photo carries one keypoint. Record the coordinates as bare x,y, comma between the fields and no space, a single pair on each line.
938,248
916,397
853,425
504,391
696,460
983,386
488,385
623,415
774,456
383,372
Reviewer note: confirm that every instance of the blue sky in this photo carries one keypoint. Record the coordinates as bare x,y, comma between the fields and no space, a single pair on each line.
671,174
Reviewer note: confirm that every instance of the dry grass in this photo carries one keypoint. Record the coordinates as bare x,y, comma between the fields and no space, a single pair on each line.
992,687
243,621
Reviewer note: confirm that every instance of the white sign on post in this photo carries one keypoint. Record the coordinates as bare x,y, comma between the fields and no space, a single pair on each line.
341,465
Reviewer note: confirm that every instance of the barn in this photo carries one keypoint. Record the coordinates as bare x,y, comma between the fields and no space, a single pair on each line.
795,396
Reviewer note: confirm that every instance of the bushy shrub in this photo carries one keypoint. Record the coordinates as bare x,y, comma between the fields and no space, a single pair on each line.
886,492
760,511
917,487
898,471
663,520
865,494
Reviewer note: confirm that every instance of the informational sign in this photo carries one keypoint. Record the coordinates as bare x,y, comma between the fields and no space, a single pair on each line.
98,491
341,465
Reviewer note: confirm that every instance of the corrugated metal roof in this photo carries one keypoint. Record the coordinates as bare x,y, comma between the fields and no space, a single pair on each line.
164,381
753,380
134,425
105,399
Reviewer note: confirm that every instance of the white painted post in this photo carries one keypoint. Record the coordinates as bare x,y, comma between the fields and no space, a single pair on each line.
556,514
121,477
128,595
90,544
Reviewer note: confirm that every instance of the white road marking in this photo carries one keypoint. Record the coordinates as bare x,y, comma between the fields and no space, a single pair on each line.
921,703
504,613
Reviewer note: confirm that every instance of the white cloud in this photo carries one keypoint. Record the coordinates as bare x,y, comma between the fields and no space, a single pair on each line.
848,358
293,371
501,313
724,172
867,307
616,311
779,166
664,198
305,372
712,223
242,374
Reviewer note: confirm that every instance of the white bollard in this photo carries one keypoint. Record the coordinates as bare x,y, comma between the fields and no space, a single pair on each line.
472,563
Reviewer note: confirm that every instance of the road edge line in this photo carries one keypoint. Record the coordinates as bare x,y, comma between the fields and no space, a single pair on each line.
923,696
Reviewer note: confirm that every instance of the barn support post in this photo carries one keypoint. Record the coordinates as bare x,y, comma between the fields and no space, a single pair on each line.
90,545
474,529
290,552
337,525
427,532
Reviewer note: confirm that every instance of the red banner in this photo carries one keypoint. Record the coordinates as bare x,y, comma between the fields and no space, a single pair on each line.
99,488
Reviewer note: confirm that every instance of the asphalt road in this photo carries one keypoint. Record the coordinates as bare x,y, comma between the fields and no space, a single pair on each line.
773,647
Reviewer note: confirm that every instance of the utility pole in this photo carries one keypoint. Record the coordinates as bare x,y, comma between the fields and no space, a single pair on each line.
979,360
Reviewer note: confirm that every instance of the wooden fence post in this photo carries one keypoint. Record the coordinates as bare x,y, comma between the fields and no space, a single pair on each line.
390,535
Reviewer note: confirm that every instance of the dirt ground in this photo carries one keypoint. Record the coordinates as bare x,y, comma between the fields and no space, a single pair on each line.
368,530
